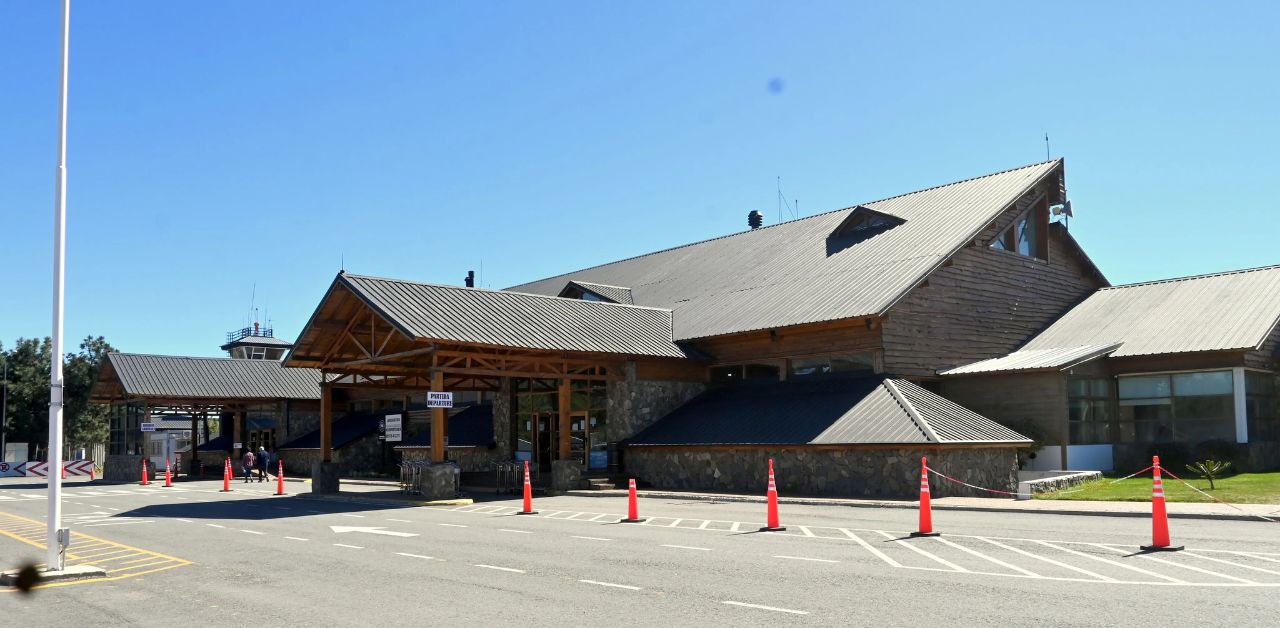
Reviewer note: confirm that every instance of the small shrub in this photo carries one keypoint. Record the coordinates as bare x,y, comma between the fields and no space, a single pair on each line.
1210,469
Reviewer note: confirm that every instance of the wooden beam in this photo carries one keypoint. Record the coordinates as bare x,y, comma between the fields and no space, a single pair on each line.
439,416
383,358
565,398
326,422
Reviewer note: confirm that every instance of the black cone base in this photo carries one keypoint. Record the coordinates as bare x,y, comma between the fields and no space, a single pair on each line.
641,520
777,529
918,534
1162,548
527,512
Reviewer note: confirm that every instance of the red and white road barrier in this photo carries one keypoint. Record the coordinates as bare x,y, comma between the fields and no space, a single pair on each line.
771,515
1159,517
926,511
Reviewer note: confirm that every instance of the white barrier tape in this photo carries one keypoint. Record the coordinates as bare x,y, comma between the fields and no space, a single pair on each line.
1097,486
980,488
1188,485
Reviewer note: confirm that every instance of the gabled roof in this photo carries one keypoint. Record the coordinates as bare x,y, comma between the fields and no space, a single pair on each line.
1235,310
510,319
823,411
182,377
1052,359
616,294
785,274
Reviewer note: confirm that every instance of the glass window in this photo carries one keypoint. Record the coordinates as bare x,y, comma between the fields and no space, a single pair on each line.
1089,411
1262,406
1190,384
744,372
1137,387
858,363
1186,407
1028,237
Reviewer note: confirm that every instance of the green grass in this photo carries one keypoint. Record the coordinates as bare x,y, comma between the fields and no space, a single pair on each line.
1242,488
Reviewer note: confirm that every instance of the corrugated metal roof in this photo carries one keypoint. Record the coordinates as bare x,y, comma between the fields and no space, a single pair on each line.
470,427
511,319
346,430
950,422
784,275
823,411
617,294
1224,311
182,377
1035,360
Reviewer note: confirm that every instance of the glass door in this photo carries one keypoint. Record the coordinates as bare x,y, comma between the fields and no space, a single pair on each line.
578,437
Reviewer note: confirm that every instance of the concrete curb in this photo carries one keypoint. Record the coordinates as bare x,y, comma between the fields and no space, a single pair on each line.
354,499
850,503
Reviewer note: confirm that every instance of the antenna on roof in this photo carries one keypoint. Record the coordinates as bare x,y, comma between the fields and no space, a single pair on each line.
342,262
1046,147
782,202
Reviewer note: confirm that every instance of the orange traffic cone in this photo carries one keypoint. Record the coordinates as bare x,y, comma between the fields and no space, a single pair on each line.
64,470
633,509
1159,518
144,472
926,513
168,474
280,479
528,493
771,525
226,476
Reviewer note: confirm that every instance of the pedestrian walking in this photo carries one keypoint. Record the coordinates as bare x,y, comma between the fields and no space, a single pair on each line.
260,461
247,465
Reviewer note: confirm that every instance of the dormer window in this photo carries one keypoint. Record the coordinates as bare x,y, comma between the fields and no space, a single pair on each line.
1028,234
863,223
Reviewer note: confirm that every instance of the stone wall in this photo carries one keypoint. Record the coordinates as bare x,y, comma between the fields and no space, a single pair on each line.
469,459
502,419
636,404
122,468
853,472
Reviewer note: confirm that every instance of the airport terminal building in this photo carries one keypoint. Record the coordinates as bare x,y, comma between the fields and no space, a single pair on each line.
955,322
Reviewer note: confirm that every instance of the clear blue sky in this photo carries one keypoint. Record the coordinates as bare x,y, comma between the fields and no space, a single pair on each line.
215,146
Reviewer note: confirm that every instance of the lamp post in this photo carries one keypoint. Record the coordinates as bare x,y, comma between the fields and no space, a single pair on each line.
53,542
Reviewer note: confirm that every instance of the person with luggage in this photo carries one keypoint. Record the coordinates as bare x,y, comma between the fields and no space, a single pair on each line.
247,465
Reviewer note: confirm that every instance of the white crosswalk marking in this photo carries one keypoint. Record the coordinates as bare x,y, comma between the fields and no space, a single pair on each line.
1048,560
989,558
1111,562
912,547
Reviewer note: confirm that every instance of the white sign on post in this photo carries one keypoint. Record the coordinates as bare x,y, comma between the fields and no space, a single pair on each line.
148,427
394,432
439,400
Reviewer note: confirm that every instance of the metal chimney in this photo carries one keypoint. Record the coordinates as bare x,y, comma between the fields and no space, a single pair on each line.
471,279
755,219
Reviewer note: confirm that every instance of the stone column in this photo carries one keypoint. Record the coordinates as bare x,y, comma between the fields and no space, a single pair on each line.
502,413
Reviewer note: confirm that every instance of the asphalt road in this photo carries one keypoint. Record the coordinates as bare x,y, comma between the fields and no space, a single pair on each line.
258,559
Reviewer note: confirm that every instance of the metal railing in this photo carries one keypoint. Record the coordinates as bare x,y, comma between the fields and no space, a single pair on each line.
412,474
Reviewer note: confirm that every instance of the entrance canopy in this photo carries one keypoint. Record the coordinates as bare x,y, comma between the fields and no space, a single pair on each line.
371,332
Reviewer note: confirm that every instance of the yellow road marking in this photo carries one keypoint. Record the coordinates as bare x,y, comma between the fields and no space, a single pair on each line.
31,532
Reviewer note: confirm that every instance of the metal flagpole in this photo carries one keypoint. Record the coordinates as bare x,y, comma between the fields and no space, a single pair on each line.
53,543
4,414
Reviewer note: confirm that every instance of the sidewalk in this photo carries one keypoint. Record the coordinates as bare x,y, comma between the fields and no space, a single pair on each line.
1246,512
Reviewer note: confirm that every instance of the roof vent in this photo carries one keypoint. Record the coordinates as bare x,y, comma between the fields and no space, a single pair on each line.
755,219
471,279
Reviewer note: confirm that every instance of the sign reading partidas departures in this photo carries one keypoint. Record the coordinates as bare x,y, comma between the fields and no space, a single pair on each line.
439,400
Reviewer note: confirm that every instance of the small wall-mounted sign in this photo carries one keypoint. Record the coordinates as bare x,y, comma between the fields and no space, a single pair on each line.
148,427
393,428
439,400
